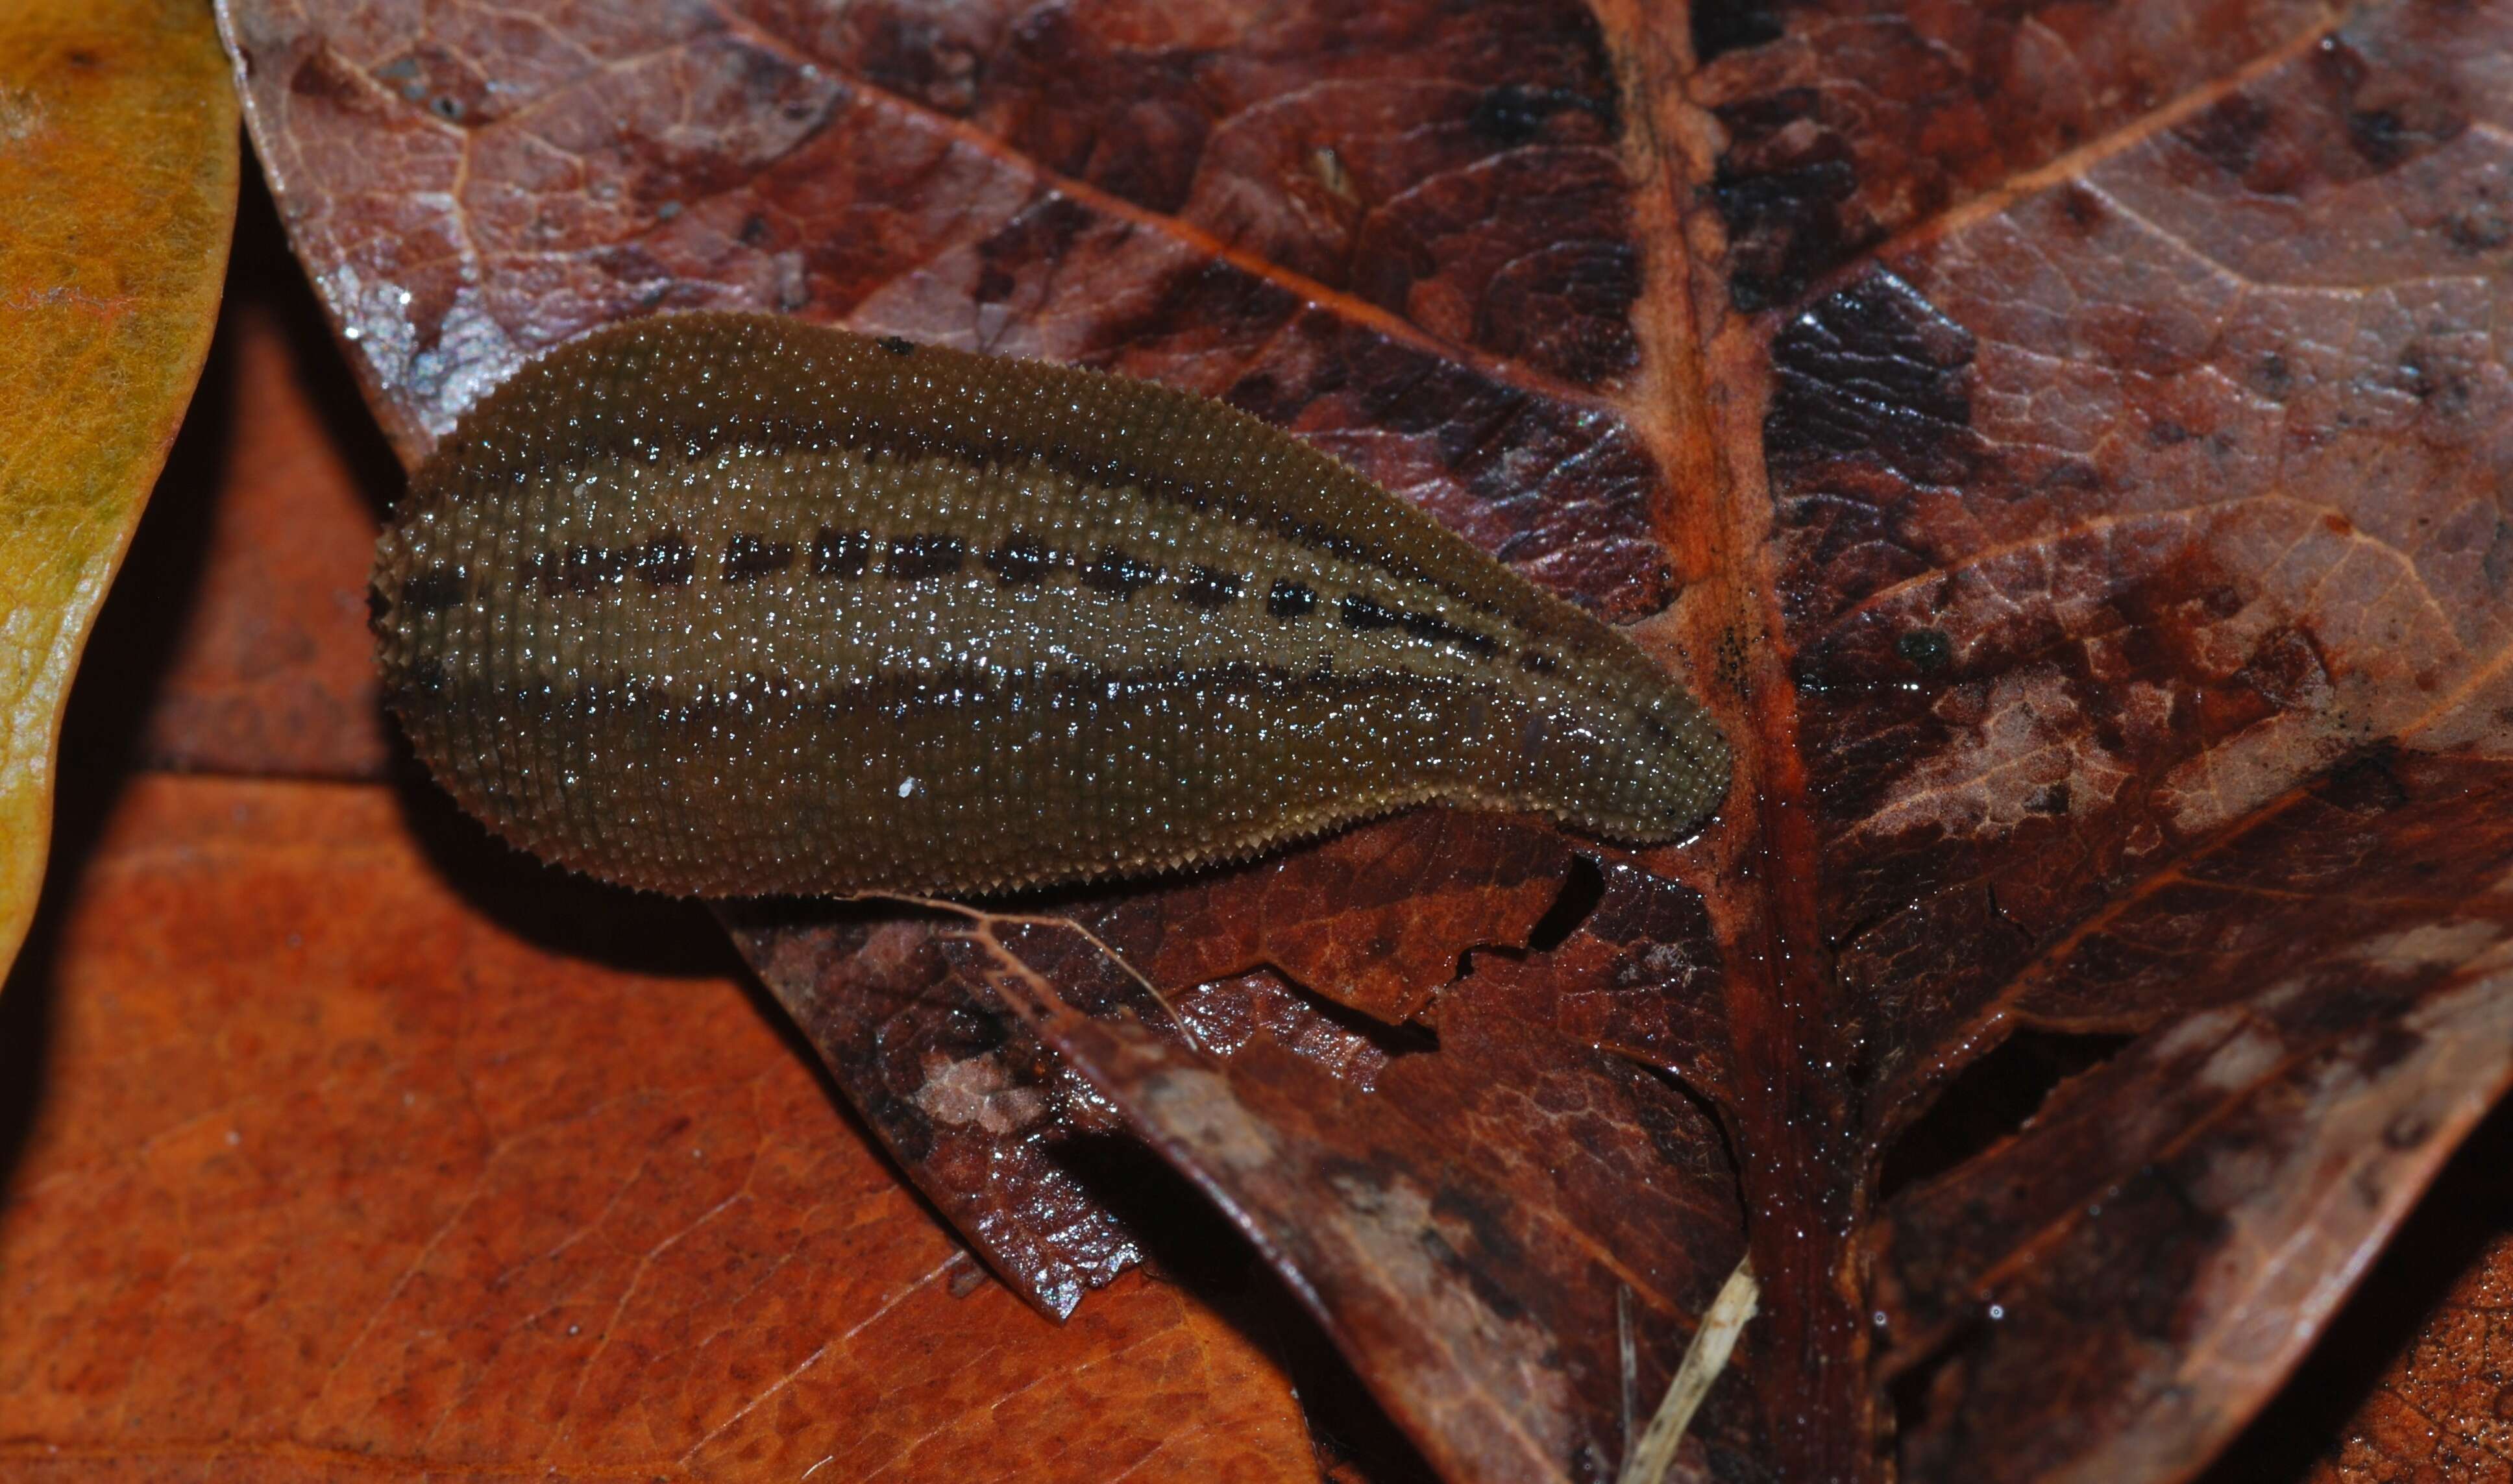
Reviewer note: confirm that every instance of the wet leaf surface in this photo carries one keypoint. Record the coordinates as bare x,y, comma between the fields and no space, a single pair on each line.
118,158
2065,446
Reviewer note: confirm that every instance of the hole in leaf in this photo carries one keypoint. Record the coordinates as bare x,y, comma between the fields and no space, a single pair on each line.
1988,1100
1582,889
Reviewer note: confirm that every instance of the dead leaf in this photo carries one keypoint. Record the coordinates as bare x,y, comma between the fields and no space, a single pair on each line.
2069,459
368,1147
118,159
2409,1382
988,1123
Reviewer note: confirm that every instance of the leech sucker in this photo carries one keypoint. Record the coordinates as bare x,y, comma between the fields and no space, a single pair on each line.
730,605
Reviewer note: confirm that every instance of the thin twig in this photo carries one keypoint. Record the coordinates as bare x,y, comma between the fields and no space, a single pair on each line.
1703,1359
988,919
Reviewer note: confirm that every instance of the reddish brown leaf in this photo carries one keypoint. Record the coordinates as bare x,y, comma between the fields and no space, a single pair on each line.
2434,1329
2084,586
2442,1411
366,1150
2081,432
1484,1228
981,1114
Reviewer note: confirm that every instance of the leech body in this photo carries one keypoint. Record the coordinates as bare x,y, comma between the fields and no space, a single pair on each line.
728,604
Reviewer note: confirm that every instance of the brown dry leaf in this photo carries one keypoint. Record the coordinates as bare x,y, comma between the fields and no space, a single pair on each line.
2444,1410
2414,1382
2066,446
118,158
371,1150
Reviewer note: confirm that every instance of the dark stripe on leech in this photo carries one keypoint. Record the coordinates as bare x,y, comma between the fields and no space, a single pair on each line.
748,557
1286,599
666,561
1114,571
1433,627
580,568
913,559
1233,505
435,589
1020,561
1362,612
1206,588
839,553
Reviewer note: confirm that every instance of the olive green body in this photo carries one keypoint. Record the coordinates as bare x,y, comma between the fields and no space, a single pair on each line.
735,606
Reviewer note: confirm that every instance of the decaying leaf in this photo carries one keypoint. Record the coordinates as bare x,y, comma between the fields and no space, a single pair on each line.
371,1150
2066,446
118,160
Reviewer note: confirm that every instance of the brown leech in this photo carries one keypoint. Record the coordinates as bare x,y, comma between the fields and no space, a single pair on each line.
729,604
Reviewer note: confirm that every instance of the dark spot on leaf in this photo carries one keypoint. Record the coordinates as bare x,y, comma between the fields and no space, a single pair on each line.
2497,563
897,346
1928,649
2389,1044
1785,226
1721,26
2408,1130
2481,229
1494,1251
1874,371
2365,783
2228,135
2083,209
1515,114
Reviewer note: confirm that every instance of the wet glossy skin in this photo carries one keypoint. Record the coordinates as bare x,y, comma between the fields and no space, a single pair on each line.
730,605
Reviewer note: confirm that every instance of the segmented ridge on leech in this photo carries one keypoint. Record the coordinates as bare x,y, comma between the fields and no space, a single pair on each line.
939,623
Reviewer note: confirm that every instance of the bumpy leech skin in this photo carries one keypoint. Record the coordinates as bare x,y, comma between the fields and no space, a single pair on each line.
734,605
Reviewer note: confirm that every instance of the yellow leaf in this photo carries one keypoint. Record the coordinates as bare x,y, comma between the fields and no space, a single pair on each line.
118,159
